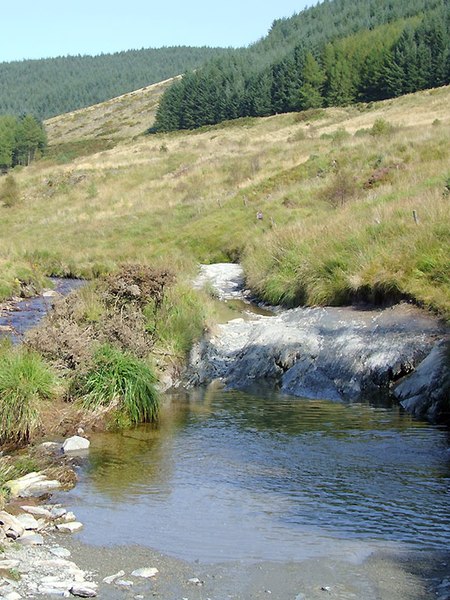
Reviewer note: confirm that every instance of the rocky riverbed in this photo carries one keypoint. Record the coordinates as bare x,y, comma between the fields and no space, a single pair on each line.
330,353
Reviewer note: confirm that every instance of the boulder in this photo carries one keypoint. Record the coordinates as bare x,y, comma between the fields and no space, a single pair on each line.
75,443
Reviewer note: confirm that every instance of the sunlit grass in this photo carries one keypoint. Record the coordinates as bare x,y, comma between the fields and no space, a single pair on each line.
337,209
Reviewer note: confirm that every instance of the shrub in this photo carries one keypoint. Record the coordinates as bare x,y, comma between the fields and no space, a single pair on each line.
118,382
341,189
10,192
25,381
381,127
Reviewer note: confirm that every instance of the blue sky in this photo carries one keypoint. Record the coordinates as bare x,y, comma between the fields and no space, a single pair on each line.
46,28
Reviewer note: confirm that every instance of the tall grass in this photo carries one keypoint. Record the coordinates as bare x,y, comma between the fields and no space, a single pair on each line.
121,383
25,382
180,320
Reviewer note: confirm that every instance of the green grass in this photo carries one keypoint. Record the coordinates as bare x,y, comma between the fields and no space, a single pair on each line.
25,382
180,320
120,383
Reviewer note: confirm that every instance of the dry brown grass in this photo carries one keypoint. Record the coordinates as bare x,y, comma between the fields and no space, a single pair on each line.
189,196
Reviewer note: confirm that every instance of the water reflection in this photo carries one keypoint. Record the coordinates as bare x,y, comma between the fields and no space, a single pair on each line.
251,476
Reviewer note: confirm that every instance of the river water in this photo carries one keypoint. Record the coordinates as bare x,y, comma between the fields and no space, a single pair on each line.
229,475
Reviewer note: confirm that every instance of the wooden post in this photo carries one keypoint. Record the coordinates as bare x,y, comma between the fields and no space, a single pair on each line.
416,218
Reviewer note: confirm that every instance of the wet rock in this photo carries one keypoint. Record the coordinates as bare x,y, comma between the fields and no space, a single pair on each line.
425,392
71,527
226,280
84,591
75,443
112,578
145,572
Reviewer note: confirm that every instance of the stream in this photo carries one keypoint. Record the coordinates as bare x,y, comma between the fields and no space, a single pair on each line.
265,490
229,475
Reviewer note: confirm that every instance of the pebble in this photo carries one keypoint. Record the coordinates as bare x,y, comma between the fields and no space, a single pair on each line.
145,572
112,578
195,581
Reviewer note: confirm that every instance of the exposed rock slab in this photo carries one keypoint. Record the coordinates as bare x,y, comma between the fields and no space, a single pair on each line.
225,279
329,353
426,392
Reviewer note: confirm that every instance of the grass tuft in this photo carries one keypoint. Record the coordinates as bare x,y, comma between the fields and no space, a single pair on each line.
25,381
119,382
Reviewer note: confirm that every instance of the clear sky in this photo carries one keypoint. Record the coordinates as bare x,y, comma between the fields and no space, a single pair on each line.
47,28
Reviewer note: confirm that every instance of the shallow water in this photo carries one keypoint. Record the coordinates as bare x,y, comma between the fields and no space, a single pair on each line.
28,312
230,475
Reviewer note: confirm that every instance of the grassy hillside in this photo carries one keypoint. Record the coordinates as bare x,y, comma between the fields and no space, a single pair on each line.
337,189
123,117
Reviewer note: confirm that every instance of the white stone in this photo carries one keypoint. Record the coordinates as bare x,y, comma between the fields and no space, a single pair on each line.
30,538
75,444
37,510
195,581
13,596
71,527
46,590
69,516
9,564
145,572
124,583
28,521
57,512
112,578
11,526
33,484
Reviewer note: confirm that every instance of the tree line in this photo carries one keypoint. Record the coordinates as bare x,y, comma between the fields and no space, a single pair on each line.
53,86
21,138
335,54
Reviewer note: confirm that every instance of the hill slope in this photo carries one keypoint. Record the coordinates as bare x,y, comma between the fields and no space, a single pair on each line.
336,187
118,118
52,86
